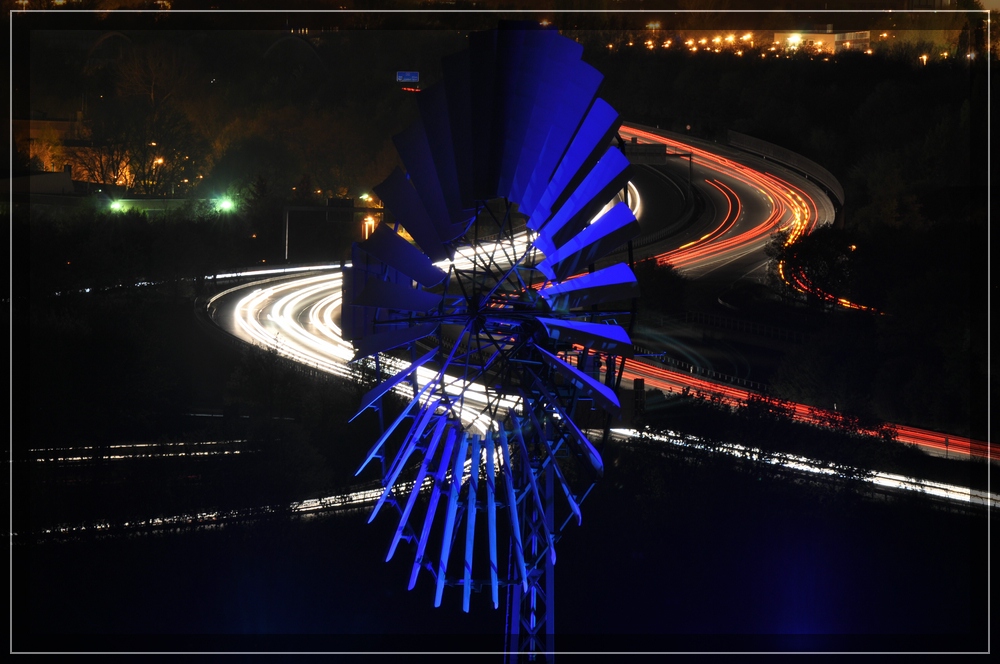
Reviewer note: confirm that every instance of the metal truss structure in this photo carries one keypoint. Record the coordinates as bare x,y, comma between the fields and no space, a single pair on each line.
500,322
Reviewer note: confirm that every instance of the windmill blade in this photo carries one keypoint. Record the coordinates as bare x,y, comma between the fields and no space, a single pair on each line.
515,524
608,177
383,341
417,153
567,90
457,81
385,434
440,129
439,483
577,436
389,295
611,284
402,199
387,246
383,388
567,491
598,336
470,523
418,484
491,519
582,381
457,472
521,52
589,143
484,114
610,231
407,449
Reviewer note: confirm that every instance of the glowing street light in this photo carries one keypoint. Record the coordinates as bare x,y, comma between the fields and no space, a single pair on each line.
224,204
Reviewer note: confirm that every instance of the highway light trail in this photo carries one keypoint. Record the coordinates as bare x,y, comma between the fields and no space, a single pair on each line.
670,381
792,210
128,451
361,497
296,317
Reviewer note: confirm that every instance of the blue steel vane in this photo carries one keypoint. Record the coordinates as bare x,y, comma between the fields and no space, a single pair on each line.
511,197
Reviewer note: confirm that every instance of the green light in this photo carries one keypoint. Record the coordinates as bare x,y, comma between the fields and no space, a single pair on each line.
224,204
116,206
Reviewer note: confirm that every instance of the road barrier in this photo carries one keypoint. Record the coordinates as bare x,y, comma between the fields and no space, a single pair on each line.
791,159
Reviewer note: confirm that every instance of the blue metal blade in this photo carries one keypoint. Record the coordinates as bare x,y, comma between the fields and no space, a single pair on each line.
610,231
439,480
593,456
588,145
390,248
564,97
600,392
388,295
606,178
486,113
521,90
404,202
414,149
383,388
457,471
574,505
515,522
611,284
417,484
470,524
606,338
458,91
491,518
383,341
405,450
435,113
388,432
534,485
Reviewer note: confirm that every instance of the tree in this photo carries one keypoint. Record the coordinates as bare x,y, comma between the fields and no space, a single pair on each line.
153,72
105,158
165,153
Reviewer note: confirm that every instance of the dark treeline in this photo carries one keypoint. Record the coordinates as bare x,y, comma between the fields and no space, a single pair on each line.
852,447
224,109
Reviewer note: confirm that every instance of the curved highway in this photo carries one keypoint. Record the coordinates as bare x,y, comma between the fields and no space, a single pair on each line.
298,314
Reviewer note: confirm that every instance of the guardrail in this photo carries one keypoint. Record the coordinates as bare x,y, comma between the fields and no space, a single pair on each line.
725,323
786,157
647,356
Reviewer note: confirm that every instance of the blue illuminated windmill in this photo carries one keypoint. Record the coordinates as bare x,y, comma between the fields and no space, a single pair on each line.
502,315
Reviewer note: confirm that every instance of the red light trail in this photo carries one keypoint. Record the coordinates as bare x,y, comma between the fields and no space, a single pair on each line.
797,210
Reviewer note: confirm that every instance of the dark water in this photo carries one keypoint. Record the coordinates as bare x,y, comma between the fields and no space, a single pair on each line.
675,567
